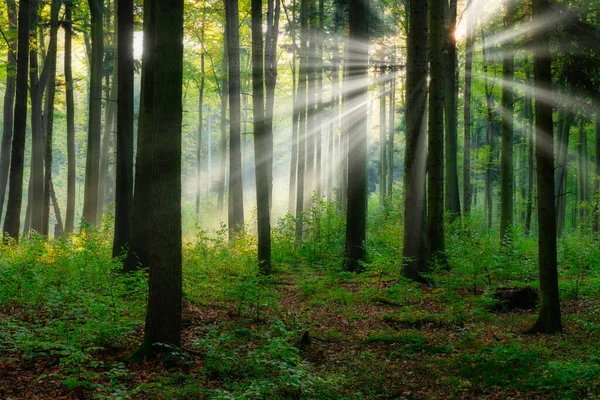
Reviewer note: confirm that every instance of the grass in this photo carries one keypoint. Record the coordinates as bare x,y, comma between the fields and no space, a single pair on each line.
69,320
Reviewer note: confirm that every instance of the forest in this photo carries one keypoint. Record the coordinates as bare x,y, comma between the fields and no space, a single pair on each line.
304,199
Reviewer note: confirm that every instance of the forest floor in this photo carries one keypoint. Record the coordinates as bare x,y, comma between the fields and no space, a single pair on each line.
66,333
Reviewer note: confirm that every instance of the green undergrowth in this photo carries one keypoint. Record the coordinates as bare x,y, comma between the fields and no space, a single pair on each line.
309,330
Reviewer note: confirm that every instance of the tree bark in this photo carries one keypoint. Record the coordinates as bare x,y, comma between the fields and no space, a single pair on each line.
70,105
452,197
530,159
236,194
549,319
90,200
435,182
467,187
223,137
355,109
124,134
9,101
301,106
12,221
415,251
382,142
506,160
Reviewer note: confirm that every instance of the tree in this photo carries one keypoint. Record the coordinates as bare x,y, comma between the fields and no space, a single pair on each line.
70,105
9,101
452,198
506,160
12,221
301,107
124,184
415,161
236,198
549,320
467,187
90,196
49,117
163,320
435,177
355,109
140,229
262,152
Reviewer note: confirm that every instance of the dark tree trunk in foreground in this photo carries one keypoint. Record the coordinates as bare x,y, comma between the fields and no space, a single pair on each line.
273,13
90,197
12,221
163,320
435,177
355,102
139,233
301,107
262,153
236,194
415,250
549,320
452,197
124,136
70,105
9,101
506,160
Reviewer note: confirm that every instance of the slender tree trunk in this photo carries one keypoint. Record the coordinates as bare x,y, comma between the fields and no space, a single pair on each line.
382,142
236,203
560,185
530,147
467,187
70,103
141,224
506,160
110,111
549,320
435,182
302,133
273,14
319,100
355,106
37,87
391,127
199,147
223,137
452,197
124,135
90,200
12,221
262,153
49,115
295,118
415,251
311,128
9,101
596,166
488,195
335,105
581,173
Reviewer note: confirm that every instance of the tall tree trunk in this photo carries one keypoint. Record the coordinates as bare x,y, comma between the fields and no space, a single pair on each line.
489,136
355,106
506,160
295,118
110,111
319,100
530,147
90,200
49,114
467,187
560,185
262,153
301,106
273,14
415,251
382,142
9,101
37,86
435,182
141,224
163,320
391,127
311,128
200,124
335,111
70,103
124,135
581,173
12,221
549,320
223,137
236,194
452,196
